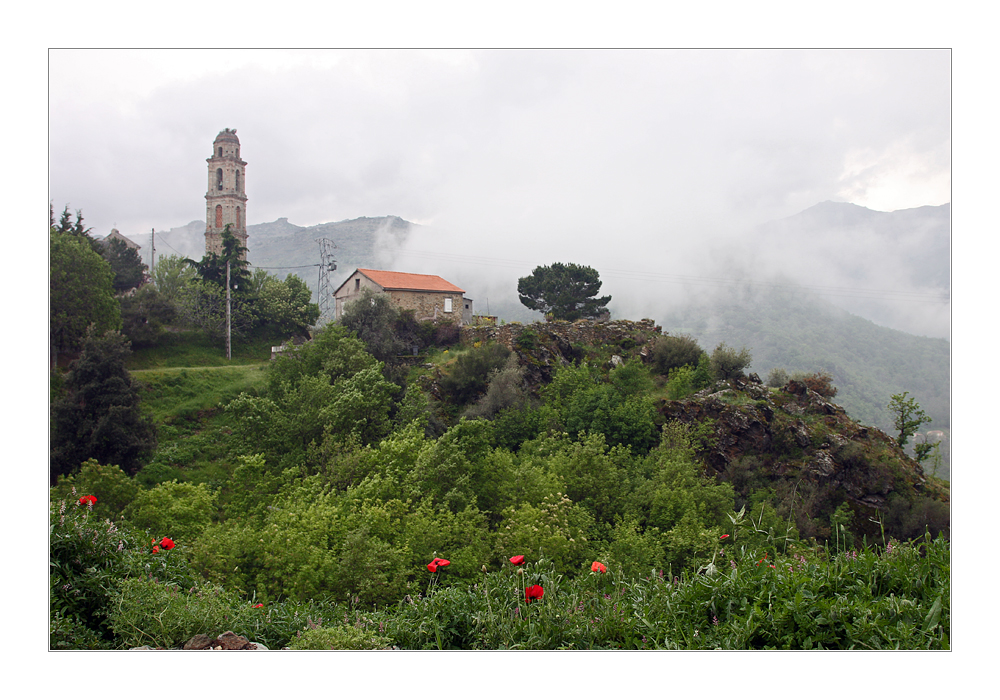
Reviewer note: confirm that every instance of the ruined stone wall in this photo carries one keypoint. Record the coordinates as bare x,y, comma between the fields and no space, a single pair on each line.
594,333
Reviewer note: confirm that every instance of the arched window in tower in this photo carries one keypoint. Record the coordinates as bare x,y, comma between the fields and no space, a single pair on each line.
239,218
218,178
220,151
237,180
218,216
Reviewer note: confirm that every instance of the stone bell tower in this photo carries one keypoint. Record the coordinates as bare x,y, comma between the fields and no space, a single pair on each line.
226,198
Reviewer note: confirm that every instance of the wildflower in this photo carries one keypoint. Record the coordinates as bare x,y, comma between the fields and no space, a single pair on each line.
722,537
88,500
598,567
533,593
715,620
517,560
732,564
259,605
433,566
155,549
167,543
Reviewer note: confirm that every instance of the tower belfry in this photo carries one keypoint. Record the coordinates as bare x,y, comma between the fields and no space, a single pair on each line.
226,197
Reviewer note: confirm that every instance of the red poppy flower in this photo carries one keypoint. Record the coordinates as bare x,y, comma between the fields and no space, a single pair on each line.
533,593
433,566
598,567
723,537
155,549
88,500
167,543
259,605
517,560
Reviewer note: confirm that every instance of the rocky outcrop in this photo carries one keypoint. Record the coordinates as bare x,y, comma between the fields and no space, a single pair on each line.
811,454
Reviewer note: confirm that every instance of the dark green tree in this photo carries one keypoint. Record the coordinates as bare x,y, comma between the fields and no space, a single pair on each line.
80,293
126,265
99,416
144,314
567,291
212,267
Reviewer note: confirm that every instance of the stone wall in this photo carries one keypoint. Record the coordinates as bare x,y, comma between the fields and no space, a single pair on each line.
583,332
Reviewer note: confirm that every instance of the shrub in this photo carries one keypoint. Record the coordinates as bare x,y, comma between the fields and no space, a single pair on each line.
777,378
470,375
820,383
505,391
340,637
148,612
728,363
672,351
114,489
180,511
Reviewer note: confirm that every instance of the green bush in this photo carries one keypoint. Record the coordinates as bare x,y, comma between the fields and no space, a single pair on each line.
470,375
148,612
673,351
340,637
180,511
114,489
728,363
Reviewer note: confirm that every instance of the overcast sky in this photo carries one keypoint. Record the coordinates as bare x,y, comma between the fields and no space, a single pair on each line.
545,147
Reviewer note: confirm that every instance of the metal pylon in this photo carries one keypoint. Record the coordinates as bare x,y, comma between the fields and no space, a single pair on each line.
327,265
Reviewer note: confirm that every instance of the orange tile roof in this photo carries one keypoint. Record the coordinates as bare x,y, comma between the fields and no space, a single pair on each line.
409,281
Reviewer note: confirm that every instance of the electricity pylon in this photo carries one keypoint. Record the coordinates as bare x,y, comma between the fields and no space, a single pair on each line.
327,265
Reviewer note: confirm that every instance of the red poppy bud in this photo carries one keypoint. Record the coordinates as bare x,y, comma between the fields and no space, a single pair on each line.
518,560
723,537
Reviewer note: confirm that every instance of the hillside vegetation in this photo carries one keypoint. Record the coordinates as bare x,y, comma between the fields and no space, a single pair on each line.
544,493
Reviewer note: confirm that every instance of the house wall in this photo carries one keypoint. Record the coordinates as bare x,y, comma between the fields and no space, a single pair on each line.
426,305
430,305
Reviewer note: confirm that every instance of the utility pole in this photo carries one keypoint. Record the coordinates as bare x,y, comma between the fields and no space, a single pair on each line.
152,252
229,328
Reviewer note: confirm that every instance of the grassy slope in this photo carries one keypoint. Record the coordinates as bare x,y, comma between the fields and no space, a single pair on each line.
186,382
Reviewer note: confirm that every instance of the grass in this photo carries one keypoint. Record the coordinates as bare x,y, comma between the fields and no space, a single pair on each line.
194,430
196,349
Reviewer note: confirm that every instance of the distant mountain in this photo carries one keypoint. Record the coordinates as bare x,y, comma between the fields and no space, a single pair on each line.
796,331
891,267
284,248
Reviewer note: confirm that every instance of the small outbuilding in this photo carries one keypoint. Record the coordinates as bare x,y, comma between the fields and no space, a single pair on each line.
429,296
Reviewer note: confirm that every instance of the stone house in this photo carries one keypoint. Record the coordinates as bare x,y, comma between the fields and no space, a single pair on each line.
429,296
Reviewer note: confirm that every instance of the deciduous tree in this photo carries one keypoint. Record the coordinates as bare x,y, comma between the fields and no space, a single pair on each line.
80,293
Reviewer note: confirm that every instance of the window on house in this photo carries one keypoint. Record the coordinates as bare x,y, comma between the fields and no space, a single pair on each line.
357,285
447,306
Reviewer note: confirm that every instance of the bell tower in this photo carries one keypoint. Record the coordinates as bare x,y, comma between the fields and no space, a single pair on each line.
226,197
